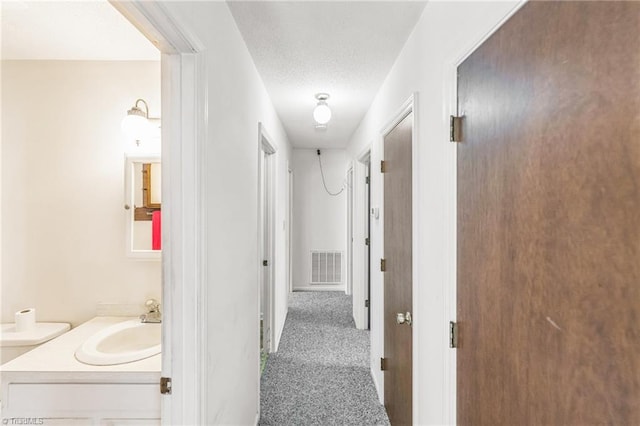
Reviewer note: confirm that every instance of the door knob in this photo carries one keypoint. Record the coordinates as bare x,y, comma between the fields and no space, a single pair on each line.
403,318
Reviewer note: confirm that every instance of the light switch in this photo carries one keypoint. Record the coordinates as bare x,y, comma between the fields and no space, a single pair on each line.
375,212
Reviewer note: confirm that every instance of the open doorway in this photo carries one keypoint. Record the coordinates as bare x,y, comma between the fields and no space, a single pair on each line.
367,269
266,214
361,240
85,198
290,231
349,288
184,111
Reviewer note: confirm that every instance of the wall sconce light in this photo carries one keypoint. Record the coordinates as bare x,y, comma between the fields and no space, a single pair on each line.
136,123
322,112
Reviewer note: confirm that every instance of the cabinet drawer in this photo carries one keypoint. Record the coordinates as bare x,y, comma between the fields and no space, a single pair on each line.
26,398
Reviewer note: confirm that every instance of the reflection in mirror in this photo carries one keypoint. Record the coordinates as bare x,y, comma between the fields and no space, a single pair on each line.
144,199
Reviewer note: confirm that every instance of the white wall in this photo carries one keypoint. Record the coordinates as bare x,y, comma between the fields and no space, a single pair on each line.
63,219
444,33
237,101
318,218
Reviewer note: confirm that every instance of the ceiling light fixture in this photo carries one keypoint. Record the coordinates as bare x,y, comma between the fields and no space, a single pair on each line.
322,112
136,123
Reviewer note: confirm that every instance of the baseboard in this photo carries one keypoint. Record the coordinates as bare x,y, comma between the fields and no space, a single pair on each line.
320,288
257,419
276,344
377,386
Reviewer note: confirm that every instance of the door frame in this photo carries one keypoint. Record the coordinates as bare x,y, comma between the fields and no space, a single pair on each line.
350,239
184,273
266,145
408,107
450,91
290,231
359,230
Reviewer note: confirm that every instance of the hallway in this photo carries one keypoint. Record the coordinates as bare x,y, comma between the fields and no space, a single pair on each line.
320,374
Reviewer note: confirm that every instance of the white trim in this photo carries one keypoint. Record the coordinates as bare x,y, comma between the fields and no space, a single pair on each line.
184,112
266,142
366,230
365,154
475,44
157,25
450,107
267,145
350,239
201,125
404,110
415,254
449,290
184,271
335,287
290,230
377,386
278,334
379,196
360,213
410,106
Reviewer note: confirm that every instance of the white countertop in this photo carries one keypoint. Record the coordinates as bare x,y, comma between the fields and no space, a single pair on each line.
41,332
57,355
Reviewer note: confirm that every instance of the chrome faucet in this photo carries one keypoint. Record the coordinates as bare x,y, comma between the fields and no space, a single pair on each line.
153,312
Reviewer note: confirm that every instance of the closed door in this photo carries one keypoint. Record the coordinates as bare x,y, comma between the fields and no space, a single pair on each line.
549,219
398,275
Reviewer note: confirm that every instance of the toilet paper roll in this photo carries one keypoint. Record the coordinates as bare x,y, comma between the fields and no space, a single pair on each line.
25,319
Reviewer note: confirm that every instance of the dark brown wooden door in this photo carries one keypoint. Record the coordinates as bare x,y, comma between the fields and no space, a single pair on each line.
549,219
398,276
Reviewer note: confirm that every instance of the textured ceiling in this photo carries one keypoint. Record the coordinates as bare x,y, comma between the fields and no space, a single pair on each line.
70,30
343,48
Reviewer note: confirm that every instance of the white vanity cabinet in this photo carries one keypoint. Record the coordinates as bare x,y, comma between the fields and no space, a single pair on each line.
81,403
49,386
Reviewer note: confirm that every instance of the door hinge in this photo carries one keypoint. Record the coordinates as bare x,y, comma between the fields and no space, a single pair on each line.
366,241
366,303
366,180
383,364
265,263
383,167
453,334
383,265
455,129
165,385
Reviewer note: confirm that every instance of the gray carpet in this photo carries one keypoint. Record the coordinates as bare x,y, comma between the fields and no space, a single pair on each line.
320,374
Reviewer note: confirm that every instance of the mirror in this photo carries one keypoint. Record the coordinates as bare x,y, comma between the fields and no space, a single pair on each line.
143,205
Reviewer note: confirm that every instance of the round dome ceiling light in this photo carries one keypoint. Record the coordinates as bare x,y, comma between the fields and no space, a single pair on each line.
322,112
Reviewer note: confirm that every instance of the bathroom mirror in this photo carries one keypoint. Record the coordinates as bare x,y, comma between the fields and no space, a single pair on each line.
143,206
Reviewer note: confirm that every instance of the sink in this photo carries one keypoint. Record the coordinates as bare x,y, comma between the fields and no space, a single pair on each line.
126,341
